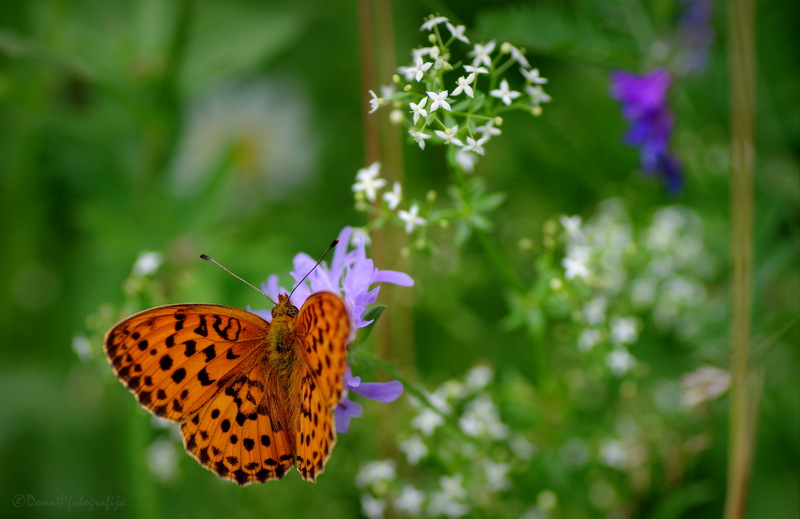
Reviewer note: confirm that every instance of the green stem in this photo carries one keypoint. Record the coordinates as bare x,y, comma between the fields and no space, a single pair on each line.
499,261
744,401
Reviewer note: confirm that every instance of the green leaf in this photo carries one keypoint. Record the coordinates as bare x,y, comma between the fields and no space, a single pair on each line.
373,313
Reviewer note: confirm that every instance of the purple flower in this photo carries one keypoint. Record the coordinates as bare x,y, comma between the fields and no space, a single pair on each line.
350,275
380,391
694,35
644,105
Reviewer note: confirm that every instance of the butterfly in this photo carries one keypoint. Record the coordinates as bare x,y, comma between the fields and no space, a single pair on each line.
253,398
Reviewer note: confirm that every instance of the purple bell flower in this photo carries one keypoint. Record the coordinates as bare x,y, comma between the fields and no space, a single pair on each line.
644,105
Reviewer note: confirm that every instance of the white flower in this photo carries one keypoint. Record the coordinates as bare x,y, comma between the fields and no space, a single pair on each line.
82,347
432,22
589,338
613,453
438,399
376,475
571,224
504,93
476,145
411,218
488,129
359,236
482,419
517,54
418,109
594,312
147,263
476,70
410,501
481,52
417,71
375,102
442,504
466,160
465,85
419,138
496,475
546,500
624,330
538,96
368,182
439,99
394,196
576,263
522,447
414,449
453,486
620,361
704,384
457,32
532,76
387,91
427,421
449,136
479,377
372,507
162,459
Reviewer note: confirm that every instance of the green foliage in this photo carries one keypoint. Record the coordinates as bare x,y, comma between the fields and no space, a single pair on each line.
597,347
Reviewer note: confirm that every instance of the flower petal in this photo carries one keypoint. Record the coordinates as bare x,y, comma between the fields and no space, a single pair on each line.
397,278
380,391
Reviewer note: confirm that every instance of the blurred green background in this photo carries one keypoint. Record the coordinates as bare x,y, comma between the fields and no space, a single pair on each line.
236,128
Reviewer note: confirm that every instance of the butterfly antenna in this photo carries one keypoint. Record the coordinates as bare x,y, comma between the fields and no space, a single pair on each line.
332,245
215,262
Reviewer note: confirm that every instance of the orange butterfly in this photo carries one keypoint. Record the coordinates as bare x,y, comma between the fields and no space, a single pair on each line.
252,398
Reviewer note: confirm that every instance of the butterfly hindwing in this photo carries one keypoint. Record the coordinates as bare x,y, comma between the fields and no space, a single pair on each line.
240,434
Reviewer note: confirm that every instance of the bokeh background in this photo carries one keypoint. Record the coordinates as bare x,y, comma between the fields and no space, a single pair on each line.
236,129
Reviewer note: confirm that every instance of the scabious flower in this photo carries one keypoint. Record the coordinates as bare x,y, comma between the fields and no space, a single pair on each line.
350,275
644,105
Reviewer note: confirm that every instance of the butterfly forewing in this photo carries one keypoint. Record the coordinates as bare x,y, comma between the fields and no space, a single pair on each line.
174,358
323,328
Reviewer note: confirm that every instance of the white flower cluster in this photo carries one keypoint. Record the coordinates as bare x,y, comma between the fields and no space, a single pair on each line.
478,458
659,271
367,187
463,112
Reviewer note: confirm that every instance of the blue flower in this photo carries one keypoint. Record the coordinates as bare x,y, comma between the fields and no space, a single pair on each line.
350,275
644,105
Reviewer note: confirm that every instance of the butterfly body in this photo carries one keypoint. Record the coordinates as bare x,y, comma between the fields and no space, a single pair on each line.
252,398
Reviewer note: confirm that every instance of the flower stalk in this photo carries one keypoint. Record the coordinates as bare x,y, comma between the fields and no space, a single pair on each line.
746,387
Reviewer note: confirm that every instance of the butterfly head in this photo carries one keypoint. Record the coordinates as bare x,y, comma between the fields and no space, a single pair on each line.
284,307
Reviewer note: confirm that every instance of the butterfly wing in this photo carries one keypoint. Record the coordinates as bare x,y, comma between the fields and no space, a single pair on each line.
323,328
240,434
175,358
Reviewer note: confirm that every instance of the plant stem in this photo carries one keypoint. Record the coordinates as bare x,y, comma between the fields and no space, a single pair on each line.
743,403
